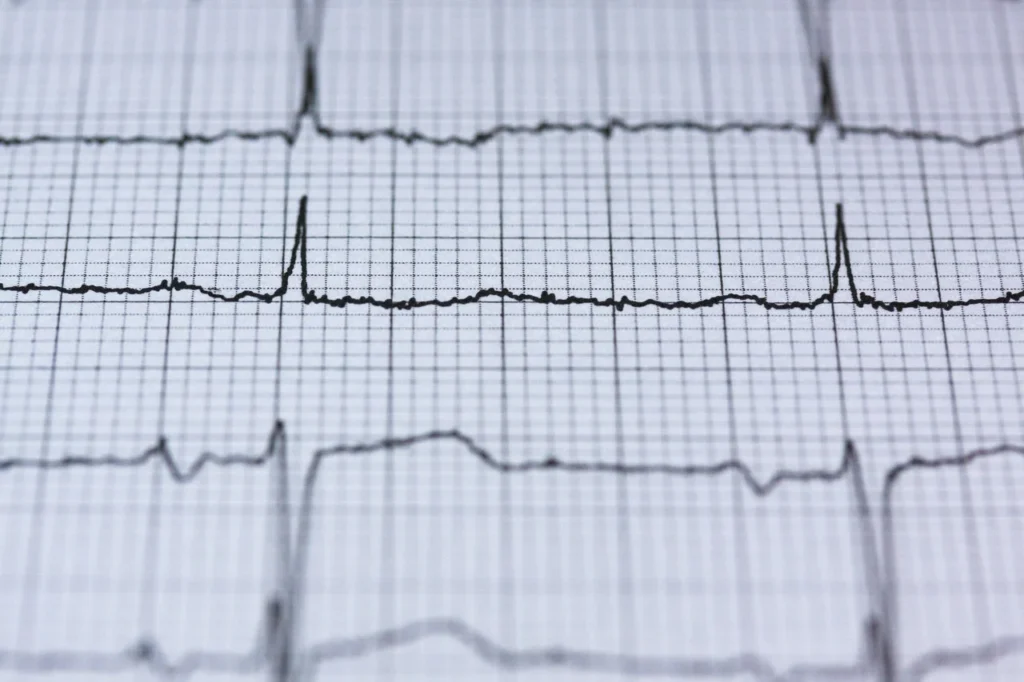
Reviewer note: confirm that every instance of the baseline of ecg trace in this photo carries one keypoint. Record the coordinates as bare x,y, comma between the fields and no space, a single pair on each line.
278,647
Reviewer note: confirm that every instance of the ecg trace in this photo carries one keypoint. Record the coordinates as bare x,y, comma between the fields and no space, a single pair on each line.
276,644
841,274
595,399
308,35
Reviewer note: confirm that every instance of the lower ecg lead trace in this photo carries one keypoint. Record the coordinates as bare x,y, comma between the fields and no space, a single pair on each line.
274,645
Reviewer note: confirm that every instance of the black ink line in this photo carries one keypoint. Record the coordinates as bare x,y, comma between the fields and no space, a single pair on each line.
147,654
272,633
815,20
612,126
841,276
309,17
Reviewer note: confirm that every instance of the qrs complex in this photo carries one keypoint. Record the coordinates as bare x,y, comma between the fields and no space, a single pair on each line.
277,650
841,278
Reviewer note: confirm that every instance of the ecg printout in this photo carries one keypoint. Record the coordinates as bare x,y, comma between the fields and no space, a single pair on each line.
512,340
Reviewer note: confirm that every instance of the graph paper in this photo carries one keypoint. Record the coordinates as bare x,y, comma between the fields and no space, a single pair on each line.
499,340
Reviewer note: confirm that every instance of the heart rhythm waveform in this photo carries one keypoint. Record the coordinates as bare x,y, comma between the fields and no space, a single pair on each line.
841,277
281,650
309,16
278,652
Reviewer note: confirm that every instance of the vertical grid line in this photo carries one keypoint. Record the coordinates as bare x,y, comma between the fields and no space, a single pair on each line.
151,559
741,549
386,669
30,587
507,579
625,553
980,612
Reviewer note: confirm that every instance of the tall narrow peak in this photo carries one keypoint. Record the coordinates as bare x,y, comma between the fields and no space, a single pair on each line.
816,21
309,104
308,30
